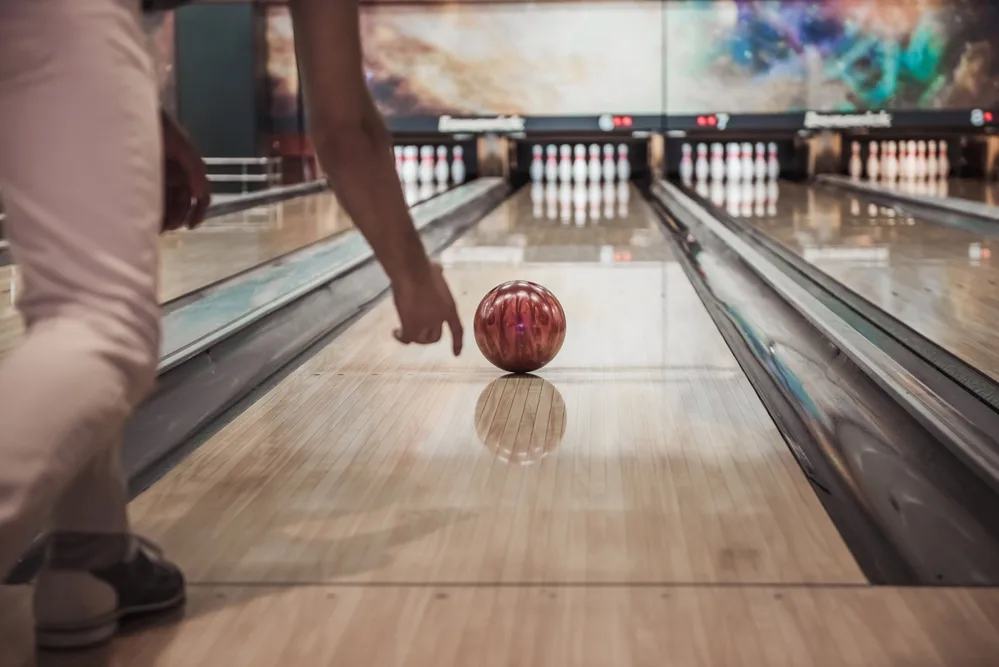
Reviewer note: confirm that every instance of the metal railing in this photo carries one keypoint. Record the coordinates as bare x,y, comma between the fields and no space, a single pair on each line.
242,175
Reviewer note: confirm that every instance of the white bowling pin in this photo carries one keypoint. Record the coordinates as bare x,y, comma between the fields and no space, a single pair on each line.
397,150
911,151
412,193
717,164
760,164
932,168
891,162
733,165
537,166
943,161
773,163
410,166
441,169
686,163
921,159
873,163
594,166
551,163
565,163
746,154
458,165
579,163
701,167
623,164
426,164
856,166
609,167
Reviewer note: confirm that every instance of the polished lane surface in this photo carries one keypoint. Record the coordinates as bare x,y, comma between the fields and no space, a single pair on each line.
942,281
390,478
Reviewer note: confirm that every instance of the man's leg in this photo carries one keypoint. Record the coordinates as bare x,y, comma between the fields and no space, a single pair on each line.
80,169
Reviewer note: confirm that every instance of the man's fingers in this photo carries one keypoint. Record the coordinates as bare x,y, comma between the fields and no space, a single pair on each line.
457,331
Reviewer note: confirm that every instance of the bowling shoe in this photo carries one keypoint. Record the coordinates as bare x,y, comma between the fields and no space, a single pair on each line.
92,584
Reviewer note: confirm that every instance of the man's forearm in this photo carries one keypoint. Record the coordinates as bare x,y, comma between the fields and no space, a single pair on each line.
352,143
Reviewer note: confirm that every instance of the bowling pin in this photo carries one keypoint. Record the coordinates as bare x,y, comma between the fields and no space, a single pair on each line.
873,163
903,160
717,165
579,163
733,165
441,169
410,167
856,166
551,163
943,161
773,164
932,168
911,151
921,159
537,166
565,163
623,164
747,161
458,165
760,164
595,168
891,162
397,150
610,169
701,167
686,163
426,164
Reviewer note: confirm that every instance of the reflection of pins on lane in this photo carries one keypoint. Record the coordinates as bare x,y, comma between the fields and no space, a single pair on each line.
458,165
608,196
609,166
565,201
773,192
579,203
760,196
932,168
594,197
538,199
623,197
579,163
733,192
412,193
537,166
426,190
565,162
854,206
701,167
441,169
718,192
746,197
773,163
551,200
702,188
397,150
593,166
551,163
440,187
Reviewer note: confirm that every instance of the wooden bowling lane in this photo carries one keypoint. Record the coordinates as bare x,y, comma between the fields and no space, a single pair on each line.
978,191
939,280
395,505
222,247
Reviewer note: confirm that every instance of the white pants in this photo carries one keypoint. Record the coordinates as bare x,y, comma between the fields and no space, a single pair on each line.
81,176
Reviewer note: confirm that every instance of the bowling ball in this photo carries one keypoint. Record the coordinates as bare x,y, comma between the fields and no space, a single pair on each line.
519,326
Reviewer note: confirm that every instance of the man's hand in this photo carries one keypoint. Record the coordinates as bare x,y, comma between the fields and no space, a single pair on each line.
424,306
187,193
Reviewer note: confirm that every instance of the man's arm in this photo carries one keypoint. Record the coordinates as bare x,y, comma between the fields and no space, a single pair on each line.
353,145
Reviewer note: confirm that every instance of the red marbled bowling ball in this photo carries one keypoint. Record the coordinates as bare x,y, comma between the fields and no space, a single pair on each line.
519,326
